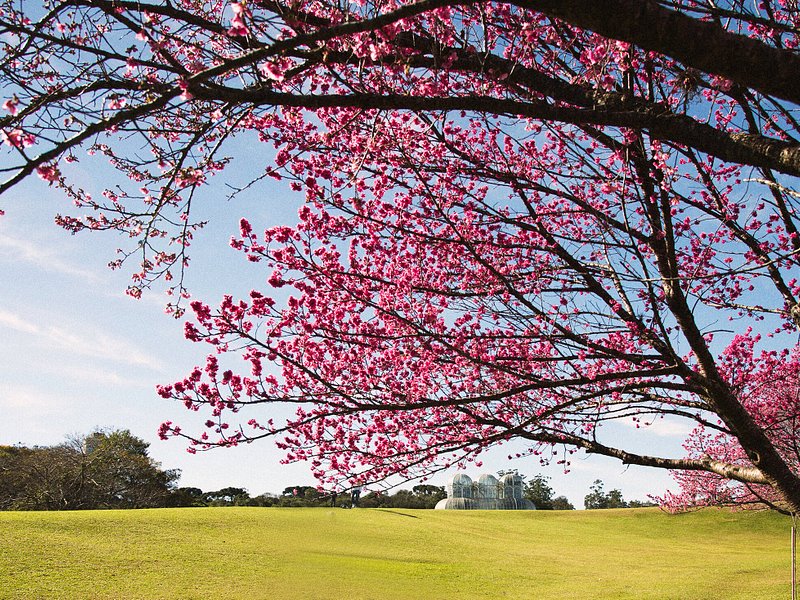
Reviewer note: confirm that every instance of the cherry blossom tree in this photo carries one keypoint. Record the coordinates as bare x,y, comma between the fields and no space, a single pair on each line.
771,393
523,219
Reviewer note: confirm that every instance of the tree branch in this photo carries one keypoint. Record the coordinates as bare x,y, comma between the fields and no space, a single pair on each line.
703,45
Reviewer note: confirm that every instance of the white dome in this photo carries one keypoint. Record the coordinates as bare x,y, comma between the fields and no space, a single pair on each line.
510,479
460,486
486,494
461,479
488,479
487,487
512,486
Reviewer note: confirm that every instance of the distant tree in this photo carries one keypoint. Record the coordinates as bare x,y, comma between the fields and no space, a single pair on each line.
186,496
265,499
228,496
432,492
12,477
105,469
419,497
598,498
300,491
403,499
400,499
614,500
538,491
561,503
41,478
641,503
302,495
374,500
120,473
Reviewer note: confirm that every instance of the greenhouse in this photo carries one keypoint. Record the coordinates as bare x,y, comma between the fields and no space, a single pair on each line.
488,493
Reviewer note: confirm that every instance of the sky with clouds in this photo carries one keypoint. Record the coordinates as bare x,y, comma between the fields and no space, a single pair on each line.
76,353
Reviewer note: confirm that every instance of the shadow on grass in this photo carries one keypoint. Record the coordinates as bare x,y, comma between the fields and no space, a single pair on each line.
399,514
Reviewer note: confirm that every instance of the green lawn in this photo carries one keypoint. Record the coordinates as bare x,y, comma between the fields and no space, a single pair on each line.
213,553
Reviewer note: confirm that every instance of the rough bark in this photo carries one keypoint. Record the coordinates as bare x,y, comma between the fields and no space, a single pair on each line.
699,44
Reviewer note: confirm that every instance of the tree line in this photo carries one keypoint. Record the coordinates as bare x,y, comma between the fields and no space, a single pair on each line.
599,498
104,469
112,469
307,496
538,490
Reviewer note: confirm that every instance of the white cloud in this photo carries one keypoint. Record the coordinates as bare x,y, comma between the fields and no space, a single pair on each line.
29,399
29,415
11,321
96,376
82,340
659,427
43,258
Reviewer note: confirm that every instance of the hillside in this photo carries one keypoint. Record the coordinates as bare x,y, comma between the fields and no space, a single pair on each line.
393,554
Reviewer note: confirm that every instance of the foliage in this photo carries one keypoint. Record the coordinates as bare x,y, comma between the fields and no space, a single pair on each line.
321,554
420,497
41,478
562,503
186,496
523,219
120,474
229,496
538,491
773,395
641,503
429,491
262,500
105,469
598,498
301,491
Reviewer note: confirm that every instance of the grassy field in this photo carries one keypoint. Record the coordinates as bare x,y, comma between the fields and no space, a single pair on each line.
213,553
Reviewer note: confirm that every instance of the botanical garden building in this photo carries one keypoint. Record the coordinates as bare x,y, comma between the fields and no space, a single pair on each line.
488,493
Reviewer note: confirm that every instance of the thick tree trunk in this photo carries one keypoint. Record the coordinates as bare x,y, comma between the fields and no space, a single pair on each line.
703,45
756,444
759,449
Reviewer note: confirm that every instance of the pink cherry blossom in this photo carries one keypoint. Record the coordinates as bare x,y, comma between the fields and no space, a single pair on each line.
516,221
18,138
48,173
10,105
116,103
238,25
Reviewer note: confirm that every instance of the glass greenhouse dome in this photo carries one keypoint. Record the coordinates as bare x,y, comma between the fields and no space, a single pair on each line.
485,494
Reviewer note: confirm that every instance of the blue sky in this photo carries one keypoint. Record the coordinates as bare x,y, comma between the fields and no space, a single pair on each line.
78,354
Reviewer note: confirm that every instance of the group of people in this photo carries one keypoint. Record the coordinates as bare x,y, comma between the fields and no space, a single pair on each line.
355,497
